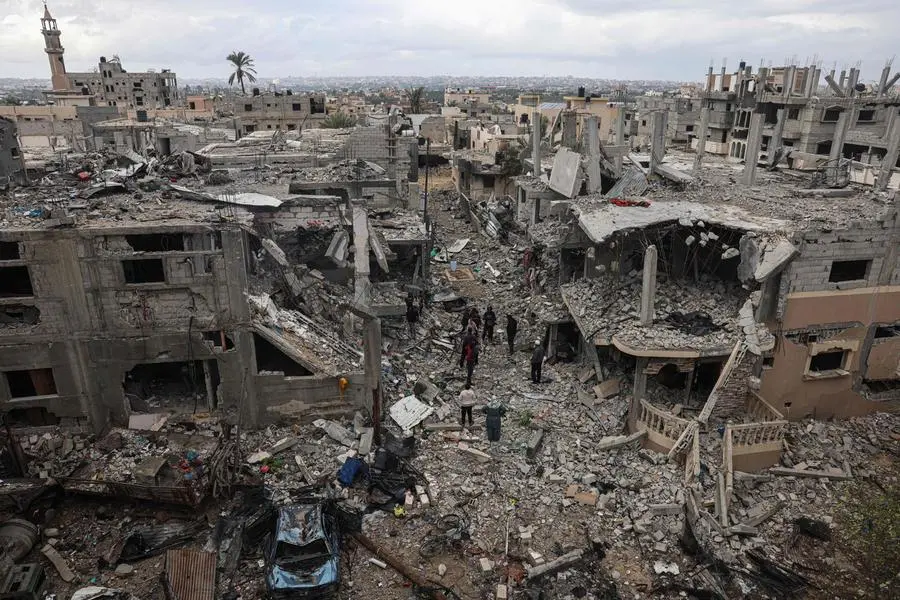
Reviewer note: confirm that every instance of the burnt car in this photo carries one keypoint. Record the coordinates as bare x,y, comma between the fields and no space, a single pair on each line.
303,554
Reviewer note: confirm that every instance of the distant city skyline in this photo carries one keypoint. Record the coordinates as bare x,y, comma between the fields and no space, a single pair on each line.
595,39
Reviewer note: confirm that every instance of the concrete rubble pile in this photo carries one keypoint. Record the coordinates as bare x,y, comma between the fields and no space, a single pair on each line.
345,170
687,315
577,499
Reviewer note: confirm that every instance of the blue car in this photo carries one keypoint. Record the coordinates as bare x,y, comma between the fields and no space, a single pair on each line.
303,556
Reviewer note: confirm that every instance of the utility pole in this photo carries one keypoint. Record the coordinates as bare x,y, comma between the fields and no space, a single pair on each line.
425,212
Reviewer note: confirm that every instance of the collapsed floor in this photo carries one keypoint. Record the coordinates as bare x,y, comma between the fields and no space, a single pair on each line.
563,479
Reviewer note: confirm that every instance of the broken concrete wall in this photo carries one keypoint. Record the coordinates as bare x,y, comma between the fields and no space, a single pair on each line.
303,212
883,361
109,361
307,398
12,162
814,322
94,326
868,241
69,399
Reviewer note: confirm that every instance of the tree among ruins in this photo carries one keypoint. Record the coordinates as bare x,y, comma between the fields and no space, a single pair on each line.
243,68
416,95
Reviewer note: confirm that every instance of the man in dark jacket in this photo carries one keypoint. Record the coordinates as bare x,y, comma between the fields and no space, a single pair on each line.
494,411
490,320
512,326
412,316
537,361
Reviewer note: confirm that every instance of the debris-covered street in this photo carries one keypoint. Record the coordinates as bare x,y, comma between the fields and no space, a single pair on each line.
278,345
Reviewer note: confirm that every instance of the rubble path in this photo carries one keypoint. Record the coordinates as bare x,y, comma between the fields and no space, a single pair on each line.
569,495
508,490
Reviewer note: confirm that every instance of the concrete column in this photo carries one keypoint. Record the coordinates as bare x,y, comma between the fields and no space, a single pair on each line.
843,79
852,80
814,87
569,129
762,78
893,80
592,136
620,135
776,142
658,123
361,257
754,141
648,288
788,86
835,88
890,159
373,396
721,83
639,390
804,81
840,132
709,79
701,139
885,73
536,142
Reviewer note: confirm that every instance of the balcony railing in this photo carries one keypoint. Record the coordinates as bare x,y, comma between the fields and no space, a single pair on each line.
662,427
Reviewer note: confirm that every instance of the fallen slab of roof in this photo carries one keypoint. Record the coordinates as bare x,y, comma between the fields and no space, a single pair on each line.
600,221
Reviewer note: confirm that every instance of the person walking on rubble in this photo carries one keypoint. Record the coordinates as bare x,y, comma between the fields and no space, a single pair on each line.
466,404
475,320
494,411
469,356
412,317
464,321
490,320
512,327
538,357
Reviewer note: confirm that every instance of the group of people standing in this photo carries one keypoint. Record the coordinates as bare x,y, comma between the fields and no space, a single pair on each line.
476,329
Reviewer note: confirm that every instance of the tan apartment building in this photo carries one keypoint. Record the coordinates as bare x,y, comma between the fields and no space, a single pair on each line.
465,96
271,112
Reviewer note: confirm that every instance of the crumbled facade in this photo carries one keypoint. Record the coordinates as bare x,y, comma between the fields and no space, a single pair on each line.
110,85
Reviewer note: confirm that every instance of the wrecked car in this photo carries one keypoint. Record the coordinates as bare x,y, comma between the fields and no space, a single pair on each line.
303,554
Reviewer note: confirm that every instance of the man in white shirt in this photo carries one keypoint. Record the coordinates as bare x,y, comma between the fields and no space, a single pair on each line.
466,402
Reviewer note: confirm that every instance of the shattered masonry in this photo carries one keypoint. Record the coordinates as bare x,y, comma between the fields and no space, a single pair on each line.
226,334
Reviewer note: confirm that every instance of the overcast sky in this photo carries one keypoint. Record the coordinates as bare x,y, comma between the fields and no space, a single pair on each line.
646,39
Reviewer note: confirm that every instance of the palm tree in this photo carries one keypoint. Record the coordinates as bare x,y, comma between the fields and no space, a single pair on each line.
243,67
416,95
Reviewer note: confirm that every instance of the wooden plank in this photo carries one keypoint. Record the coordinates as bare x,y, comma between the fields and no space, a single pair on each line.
836,475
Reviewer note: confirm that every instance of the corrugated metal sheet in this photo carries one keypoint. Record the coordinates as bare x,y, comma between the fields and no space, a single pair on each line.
632,183
191,574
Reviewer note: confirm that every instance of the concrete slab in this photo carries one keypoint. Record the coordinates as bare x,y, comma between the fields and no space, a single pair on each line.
566,175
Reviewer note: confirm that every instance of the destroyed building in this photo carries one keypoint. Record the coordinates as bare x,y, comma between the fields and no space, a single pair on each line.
160,313
109,85
12,161
845,128
286,111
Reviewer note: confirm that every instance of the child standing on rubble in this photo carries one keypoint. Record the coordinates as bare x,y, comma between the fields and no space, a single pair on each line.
466,403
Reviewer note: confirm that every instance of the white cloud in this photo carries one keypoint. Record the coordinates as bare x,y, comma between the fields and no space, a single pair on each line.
597,38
